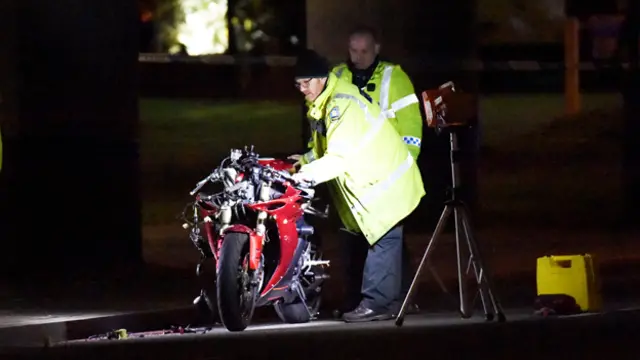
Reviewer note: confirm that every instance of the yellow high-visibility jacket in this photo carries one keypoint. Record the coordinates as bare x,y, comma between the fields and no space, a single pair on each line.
373,187
394,92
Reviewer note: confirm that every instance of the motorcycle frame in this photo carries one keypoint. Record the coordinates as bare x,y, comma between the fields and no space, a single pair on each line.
285,211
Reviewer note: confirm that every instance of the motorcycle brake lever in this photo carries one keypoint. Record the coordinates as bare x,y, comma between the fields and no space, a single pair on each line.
313,211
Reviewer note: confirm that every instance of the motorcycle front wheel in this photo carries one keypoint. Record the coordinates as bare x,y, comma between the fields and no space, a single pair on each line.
235,292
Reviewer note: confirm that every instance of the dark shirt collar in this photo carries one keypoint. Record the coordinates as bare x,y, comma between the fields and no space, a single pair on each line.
360,77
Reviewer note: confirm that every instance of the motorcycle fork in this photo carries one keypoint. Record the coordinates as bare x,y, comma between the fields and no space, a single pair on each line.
257,240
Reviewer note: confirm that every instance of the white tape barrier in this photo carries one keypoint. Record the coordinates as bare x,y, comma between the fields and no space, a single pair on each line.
288,61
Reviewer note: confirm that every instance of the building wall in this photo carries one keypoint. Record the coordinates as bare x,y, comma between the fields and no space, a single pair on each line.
69,188
409,29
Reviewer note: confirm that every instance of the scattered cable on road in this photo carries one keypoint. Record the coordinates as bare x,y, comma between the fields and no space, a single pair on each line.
121,334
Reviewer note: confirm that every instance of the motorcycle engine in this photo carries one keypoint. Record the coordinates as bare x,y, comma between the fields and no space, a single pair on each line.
229,177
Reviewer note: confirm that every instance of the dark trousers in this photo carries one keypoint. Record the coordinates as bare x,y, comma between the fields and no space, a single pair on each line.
377,276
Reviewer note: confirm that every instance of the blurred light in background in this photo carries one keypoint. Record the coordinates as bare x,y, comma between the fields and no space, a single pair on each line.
204,29
554,8
521,21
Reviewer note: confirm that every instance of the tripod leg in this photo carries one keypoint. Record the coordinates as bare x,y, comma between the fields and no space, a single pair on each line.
477,271
425,258
482,288
484,278
464,308
482,291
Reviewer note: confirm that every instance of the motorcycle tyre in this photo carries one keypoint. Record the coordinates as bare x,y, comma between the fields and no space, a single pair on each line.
296,312
234,248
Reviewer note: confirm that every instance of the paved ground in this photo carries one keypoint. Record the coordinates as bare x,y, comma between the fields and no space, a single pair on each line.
435,336
510,253
32,311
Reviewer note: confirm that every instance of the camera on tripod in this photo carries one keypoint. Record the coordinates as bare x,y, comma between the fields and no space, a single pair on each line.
445,108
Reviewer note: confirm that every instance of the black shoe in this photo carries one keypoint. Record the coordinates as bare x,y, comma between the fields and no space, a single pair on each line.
362,314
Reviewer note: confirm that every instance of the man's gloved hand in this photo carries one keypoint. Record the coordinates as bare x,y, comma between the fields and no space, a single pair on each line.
297,158
301,178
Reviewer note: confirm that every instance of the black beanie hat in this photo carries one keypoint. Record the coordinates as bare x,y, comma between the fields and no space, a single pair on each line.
310,64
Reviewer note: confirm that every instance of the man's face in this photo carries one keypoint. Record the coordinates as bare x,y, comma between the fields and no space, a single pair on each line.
362,50
311,87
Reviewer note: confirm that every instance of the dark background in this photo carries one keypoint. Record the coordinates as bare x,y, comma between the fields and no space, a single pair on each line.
69,192
69,186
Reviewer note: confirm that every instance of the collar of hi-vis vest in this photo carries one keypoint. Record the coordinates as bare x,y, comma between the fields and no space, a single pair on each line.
360,77
316,110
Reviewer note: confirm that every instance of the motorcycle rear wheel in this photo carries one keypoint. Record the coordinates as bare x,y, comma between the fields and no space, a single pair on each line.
298,312
236,296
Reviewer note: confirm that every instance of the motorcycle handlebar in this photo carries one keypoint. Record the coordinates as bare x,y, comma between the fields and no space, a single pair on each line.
212,177
267,174
273,175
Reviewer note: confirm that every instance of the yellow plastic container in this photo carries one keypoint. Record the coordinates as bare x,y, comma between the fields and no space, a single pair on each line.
573,275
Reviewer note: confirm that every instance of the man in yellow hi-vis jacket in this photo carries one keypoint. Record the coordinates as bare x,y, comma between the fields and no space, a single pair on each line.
383,82
373,187
390,87
386,83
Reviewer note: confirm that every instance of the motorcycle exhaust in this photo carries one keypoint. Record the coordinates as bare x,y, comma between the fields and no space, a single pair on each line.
305,230
316,283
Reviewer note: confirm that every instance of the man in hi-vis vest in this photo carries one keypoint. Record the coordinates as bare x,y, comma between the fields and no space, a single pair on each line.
385,83
373,180
388,85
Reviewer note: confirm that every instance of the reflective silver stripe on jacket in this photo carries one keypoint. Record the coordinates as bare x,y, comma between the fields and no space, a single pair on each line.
400,104
385,86
384,185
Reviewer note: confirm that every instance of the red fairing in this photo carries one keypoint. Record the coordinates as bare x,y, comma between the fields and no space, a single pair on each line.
285,211
211,239
288,244
239,228
278,165
208,209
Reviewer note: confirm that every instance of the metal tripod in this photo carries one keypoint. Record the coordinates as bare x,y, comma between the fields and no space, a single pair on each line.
462,229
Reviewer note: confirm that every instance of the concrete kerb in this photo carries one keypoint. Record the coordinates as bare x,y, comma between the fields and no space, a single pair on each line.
45,333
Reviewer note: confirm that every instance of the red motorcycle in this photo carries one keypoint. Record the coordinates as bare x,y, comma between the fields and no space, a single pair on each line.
254,230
